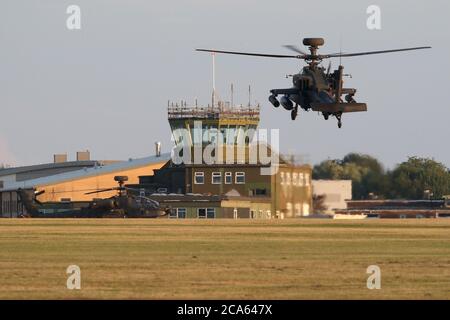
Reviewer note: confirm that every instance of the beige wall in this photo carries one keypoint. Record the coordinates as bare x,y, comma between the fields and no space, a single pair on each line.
291,190
260,210
76,189
335,191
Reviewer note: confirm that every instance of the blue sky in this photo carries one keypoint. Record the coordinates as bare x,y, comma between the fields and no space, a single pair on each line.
105,87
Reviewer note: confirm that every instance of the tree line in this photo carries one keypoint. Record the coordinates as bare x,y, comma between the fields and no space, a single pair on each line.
416,178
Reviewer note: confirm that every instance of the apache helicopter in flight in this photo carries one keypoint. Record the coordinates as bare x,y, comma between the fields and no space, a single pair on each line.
314,87
123,205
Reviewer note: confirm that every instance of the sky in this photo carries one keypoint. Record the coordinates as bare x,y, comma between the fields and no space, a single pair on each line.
105,87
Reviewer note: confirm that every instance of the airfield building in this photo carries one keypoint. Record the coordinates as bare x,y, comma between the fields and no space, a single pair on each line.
242,186
335,193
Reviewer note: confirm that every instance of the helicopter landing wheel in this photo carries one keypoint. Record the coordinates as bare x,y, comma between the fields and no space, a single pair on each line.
325,116
294,113
338,117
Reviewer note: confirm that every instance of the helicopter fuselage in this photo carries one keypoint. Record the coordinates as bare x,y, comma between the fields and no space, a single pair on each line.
313,88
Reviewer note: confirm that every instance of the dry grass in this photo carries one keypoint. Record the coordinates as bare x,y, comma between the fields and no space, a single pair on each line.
222,259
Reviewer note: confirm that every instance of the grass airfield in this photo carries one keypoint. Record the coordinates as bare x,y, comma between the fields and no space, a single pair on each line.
224,259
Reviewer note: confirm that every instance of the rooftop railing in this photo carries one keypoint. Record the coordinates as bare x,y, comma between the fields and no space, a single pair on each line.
220,111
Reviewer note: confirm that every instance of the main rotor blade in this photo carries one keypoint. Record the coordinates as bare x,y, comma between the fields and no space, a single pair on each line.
250,54
369,52
102,190
132,189
38,193
154,202
295,49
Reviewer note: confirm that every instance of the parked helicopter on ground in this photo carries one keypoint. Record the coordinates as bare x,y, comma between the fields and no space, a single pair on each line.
314,87
124,204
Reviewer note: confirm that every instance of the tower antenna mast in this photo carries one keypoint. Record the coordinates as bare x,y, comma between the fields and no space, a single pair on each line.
232,95
214,79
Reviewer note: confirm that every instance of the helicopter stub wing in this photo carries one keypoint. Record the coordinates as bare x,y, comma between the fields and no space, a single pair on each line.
339,107
284,91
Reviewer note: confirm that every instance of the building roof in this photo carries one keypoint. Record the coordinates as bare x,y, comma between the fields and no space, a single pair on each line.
46,166
87,172
196,197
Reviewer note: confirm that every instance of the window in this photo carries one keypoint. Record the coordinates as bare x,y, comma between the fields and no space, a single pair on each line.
289,209
306,179
260,192
305,209
298,209
210,213
294,178
240,178
288,178
201,213
235,213
204,213
199,178
173,213
216,178
301,181
282,178
179,213
228,178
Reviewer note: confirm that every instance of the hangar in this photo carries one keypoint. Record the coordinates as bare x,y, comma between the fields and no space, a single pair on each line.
76,179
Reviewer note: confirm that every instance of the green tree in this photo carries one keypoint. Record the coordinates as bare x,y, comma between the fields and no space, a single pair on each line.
328,169
365,161
366,172
411,178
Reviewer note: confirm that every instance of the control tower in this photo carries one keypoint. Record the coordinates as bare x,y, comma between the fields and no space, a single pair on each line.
203,123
